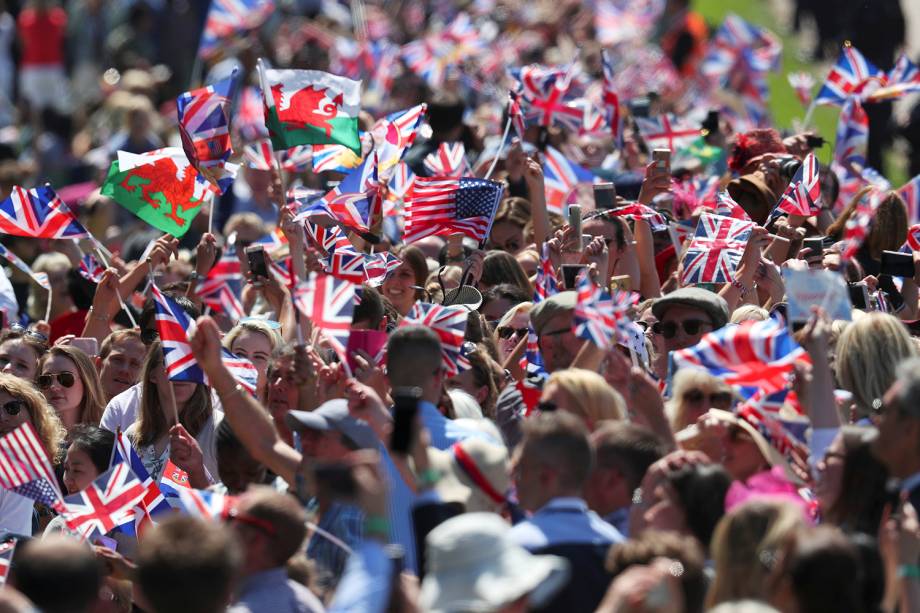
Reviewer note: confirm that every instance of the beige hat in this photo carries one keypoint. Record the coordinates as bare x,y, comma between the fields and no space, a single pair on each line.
474,472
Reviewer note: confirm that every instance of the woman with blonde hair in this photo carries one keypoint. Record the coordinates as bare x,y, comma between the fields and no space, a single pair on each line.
694,393
867,352
256,340
746,544
511,328
20,402
584,393
70,383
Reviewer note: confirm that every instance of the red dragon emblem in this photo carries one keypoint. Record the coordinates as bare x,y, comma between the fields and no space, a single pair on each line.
306,109
158,185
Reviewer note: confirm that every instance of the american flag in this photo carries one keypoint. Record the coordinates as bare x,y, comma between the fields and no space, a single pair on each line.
852,75
205,504
852,135
337,158
544,97
228,18
447,162
754,354
611,101
204,123
107,503
801,196
802,83
241,369
910,192
6,559
90,268
727,207
38,213
39,277
667,132
561,177
175,326
173,480
545,284
25,468
600,317
449,322
715,250
329,304
445,206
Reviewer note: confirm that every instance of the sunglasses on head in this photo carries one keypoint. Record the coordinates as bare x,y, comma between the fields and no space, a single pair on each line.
668,329
38,336
13,407
66,379
718,400
507,332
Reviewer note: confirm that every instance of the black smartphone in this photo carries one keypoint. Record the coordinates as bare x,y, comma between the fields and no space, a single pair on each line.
405,407
605,196
711,123
639,107
895,299
815,244
814,142
256,260
897,264
859,295
570,274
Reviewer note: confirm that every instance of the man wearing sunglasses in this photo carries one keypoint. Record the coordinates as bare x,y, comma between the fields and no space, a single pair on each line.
685,315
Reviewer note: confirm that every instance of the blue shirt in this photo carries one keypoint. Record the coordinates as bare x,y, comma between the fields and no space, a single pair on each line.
346,523
445,432
365,586
564,521
271,590
400,500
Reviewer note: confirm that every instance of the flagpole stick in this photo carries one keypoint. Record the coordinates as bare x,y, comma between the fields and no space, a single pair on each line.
48,308
808,114
121,301
211,208
170,393
501,148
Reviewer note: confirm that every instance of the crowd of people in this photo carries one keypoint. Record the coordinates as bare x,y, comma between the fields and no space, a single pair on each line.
571,414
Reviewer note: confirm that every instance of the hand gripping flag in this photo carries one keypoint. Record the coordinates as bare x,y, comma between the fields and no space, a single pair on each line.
852,75
446,206
229,18
755,354
153,501
852,135
715,249
667,132
329,304
561,178
175,326
108,502
39,277
802,83
161,187
172,481
310,107
600,317
910,193
448,162
449,322
801,196
6,558
25,468
204,125
38,213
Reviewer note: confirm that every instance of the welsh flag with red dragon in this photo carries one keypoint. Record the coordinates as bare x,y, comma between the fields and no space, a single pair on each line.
311,107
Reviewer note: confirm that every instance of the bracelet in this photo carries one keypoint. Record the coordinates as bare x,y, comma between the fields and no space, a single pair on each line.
93,315
908,571
740,286
375,524
237,389
428,477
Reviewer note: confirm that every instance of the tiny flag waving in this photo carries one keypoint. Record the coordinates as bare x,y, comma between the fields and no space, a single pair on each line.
205,504
153,501
600,317
715,249
173,480
667,132
727,207
108,502
852,75
90,268
852,139
175,327
229,18
241,369
38,213
25,468
449,322
913,237
204,125
802,83
447,206
910,192
545,284
329,304
447,162
6,559
802,194
561,178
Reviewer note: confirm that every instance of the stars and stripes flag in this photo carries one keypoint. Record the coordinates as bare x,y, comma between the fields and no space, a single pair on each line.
516,115
561,178
754,354
26,469
241,369
329,304
545,97
802,83
447,162
727,207
852,138
107,503
600,317
38,213
204,124
545,284
449,322
90,268
667,132
802,194
229,18
446,206
910,192
173,480
852,75
175,327
611,101
715,249
6,559
39,277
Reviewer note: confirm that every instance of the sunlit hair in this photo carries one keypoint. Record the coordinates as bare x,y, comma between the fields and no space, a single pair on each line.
502,267
508,317
749,312
93,402
868,351
252,325
152,419
593,399
889,224
118,336
47,425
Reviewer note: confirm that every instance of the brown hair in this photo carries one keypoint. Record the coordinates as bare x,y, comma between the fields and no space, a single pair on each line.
502,267
93,402
859,505
513,210
28,339
889,226
560,439
117,336
283,513
47,425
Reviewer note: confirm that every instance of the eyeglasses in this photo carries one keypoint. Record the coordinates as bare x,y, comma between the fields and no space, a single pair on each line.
66,379
13,407
547,406
507,332
668,329
38,336
718,400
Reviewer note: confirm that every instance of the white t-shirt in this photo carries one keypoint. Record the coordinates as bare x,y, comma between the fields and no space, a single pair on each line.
207,440
121,411
15,513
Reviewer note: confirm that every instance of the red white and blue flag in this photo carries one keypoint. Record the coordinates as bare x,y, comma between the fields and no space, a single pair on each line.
755,355
715,249
910,192
561,178
107,503
852,75
90,268
449,322
259,154
229,18
241,369
205,504
611,101
6,559
249,120
175,327
600,317
727,207
39,277
393,135
447,162
903,78
802,83
516,115
545,284
335,158
378,266
637,210
802,194
153,501
667,132
544,97
173,480
350,203
913,237
446,206
329,304
25,468
741,47
38,213
852,135
204,125
857,227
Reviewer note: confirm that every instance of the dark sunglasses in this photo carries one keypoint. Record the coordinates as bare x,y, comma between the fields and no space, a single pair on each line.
66,379
13,407
508,332
668,329
547,406
716,399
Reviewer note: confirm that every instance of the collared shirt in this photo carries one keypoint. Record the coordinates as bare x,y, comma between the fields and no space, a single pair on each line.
345,522
271,590
564,521
619,519
365,586
445,432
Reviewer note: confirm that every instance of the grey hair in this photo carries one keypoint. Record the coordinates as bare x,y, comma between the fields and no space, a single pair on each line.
908,379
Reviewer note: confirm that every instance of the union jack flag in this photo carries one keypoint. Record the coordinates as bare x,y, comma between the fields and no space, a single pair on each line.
705,190
850,76
533,363
667,131
325,238
25,468
545,284
241,369
715,250
773,429
910,192
515,115
107,503
90,268
173,480
329,304
204,123
852,135
913,237
611,101
544,94
6,558
347,265
153,501
740,46
561,177
350,202
757,355
39,277
727,207
682,231
175,326
600,317
337,158
393,135
857,226
433,56
297,158
259,155
249,120
445,206
378,266
620,21
228,18
401,184
448,162
801,196
450,324
802,83
38,213
205,504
